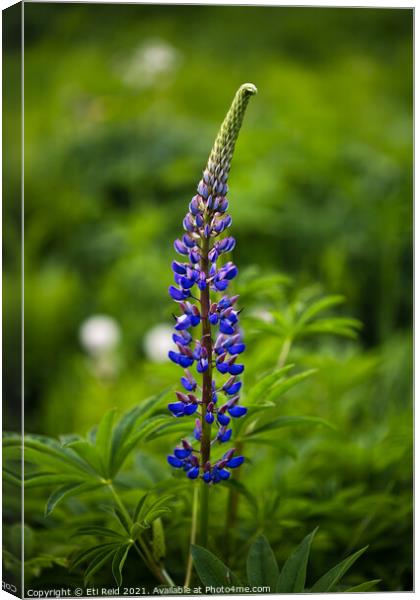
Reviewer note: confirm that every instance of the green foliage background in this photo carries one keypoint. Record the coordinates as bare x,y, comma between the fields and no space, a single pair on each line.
121,107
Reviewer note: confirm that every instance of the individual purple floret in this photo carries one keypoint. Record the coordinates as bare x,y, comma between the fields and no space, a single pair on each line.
207,338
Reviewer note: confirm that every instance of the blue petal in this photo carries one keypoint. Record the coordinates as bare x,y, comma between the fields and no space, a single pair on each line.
176,407
223,473
209,418
178,267
232,272
233,389
193,473
183,323
222,367
195,320
186,283
223,419
236,369
237,411
177,294
235,462
225,437
190,409
221,285
185,361
182,452
236,348
174,356
188,385
175,462
180,247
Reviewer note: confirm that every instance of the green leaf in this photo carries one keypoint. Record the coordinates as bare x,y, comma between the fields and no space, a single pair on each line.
281,422
122,519
97,530
336,326
261,565
258,392
71,489
211,570
59,495
364,587
41,479
139,506
61,456
146,512
104,439
333,576
142,431
319,306
126,425
99,561
118,563
89,554
283,386
293,574
89,454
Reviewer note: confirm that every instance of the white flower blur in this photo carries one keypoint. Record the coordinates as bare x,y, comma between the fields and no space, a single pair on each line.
99,334
157,343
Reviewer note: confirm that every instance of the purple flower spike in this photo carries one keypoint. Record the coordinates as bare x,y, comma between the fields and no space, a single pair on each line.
207,332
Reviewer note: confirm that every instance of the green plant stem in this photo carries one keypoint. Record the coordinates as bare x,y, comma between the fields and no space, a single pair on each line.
145,554
193,536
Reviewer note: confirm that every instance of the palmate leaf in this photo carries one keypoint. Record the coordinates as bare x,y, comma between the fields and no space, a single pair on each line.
328,581
211,570
292,577
262,569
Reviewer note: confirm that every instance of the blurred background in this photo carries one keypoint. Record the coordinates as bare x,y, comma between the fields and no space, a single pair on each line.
122,104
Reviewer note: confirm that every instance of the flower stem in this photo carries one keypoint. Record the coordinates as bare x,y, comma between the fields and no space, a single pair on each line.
193,536
207,389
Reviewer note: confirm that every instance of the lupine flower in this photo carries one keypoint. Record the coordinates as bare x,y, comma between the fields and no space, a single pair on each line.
202,278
